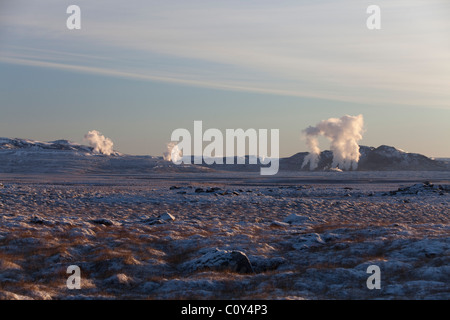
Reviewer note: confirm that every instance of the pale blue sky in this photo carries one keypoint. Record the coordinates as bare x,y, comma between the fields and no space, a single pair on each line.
139,69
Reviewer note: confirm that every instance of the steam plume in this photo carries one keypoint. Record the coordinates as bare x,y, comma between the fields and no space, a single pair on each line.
173,153
99,142
344,134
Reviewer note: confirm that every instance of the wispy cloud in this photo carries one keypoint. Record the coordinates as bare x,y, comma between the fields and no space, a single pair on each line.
297,48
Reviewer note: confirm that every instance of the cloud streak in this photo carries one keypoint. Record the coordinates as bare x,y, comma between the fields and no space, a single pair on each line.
292,48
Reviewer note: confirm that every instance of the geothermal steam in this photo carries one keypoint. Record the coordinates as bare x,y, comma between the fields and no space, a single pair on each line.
344,134
99,142
173,153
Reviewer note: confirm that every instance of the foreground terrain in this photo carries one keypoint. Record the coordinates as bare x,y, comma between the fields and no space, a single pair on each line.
225,236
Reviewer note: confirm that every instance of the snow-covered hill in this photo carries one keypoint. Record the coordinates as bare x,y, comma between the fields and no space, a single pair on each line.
33,145
382,158
63,156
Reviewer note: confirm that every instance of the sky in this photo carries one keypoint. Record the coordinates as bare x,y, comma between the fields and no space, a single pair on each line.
137,70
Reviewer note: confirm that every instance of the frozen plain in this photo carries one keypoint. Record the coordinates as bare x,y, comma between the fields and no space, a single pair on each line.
226,235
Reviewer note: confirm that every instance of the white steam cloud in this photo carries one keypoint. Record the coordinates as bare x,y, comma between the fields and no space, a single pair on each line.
344,134
99,142
173,153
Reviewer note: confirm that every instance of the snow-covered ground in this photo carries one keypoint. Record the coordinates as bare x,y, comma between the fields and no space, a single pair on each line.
225,236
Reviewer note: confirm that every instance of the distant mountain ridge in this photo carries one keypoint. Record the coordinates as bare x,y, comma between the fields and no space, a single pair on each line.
61,145
382,158
63,156
24,155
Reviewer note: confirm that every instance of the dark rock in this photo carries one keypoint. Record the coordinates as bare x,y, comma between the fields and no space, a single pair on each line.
164,218
103,221
221,260
266,264
37,220
152,222
213,189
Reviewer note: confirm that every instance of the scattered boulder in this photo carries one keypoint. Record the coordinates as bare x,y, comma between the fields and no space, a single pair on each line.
420,189
308,241
161,219
39,220
221,260
105,222
262,264
167,217
154,221
36,220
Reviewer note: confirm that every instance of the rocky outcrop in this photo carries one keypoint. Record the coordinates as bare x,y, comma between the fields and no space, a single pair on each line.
221,260
163,218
